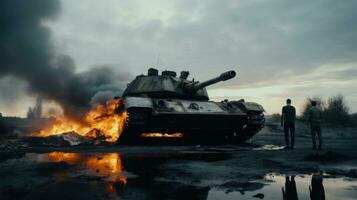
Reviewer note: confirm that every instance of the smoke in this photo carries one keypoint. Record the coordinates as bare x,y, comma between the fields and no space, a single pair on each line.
101,97
27,52
35,112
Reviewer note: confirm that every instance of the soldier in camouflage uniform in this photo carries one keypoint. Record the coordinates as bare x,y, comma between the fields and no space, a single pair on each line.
314,119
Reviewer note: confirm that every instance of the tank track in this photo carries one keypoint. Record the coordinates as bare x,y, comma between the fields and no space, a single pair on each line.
139,120
256,122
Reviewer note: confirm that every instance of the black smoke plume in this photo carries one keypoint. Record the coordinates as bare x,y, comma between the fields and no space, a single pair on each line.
26,52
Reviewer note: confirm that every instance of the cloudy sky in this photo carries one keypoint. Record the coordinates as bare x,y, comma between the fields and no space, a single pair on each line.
280,49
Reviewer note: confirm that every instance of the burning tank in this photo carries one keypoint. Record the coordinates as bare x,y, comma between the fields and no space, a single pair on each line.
176,106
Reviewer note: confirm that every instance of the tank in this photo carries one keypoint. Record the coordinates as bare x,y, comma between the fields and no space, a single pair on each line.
169,104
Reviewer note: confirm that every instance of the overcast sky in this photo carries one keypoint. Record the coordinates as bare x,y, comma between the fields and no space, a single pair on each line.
280,49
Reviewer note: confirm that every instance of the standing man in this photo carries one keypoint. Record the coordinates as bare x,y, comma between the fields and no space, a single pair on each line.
314,119
288,116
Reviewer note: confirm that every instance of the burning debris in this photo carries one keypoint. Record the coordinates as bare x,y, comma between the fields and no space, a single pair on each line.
62,140
103,123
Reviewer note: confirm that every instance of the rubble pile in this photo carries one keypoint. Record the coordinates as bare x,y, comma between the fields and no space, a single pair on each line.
11,145
67,139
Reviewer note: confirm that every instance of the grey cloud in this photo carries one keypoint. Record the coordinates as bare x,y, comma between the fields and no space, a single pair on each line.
259,38
267,42
345,75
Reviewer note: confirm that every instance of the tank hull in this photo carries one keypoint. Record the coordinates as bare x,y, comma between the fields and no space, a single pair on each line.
169,122
195,119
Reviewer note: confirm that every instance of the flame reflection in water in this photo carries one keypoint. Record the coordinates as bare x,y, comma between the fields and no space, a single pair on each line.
108,166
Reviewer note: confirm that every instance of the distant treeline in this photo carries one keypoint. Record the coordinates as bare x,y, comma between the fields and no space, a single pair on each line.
335,111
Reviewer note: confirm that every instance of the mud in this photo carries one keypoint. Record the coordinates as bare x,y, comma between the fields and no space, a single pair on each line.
256,170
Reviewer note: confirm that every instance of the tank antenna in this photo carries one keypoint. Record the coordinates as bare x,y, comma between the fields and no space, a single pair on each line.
158,61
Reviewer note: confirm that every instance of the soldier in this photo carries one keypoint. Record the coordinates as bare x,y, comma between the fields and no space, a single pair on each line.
288,116
314,119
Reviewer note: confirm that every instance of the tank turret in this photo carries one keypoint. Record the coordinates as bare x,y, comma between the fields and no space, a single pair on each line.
167,85
195,86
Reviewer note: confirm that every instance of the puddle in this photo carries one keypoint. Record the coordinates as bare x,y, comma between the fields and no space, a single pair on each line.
274,184
37,175
100,166
59,175
269,147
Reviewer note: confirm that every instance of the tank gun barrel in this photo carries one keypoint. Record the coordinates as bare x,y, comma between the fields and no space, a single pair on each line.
194,86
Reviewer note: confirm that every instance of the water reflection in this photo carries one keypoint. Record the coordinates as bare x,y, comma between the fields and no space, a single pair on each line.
287,187
60,175
317,191
108,166
289,192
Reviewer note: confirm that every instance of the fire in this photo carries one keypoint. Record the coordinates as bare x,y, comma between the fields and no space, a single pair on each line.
169,135
105,165
101,121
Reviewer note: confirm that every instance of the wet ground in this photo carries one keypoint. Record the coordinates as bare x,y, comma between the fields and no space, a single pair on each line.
274,184
259,170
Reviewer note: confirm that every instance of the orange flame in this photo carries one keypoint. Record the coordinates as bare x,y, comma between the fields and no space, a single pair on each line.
169,135
100,121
